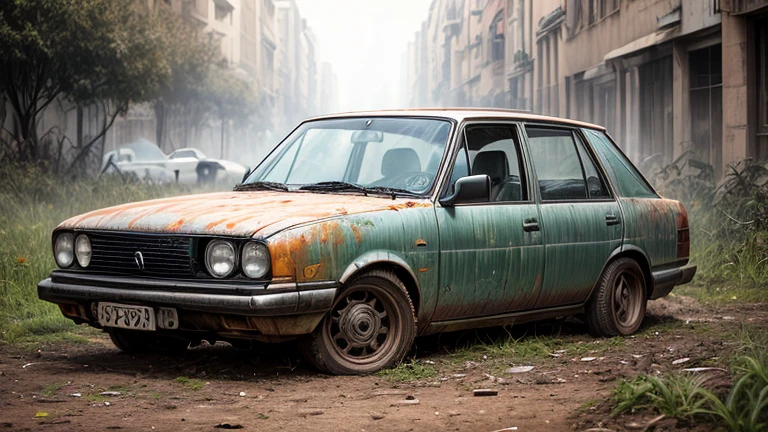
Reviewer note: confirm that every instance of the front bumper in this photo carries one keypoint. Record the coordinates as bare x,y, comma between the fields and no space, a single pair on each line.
211,297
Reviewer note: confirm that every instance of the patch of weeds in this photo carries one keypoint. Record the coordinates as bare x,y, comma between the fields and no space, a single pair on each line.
95,398
51,389
155,395
190,383
588,404
262,416
410,371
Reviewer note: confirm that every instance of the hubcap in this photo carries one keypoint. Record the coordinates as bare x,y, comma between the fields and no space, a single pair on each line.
625,301
359,325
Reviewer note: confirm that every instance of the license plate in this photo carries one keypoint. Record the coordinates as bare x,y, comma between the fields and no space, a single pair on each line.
127,316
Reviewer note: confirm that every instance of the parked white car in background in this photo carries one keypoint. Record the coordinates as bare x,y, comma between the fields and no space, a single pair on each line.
189,166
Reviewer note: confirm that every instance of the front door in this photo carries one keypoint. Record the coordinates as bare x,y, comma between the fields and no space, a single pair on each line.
581,220
491,253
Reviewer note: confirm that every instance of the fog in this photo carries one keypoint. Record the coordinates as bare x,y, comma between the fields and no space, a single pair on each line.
364,41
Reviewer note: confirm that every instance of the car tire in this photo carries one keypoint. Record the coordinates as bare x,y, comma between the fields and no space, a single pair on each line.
617,308
370,326
138,342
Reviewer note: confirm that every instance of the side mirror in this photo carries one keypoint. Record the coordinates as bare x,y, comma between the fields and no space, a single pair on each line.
470,189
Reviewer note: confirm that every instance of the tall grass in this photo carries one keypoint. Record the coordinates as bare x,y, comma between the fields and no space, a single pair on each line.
32,203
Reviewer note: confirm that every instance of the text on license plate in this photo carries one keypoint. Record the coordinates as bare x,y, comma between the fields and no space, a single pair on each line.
126,316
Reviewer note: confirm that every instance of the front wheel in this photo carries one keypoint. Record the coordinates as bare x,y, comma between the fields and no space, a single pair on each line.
371,326
618,305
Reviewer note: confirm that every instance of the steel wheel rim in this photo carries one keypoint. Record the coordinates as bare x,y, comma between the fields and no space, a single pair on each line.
627,300
362,326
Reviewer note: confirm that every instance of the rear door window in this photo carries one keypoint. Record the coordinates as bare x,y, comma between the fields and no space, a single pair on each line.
556,160
626,178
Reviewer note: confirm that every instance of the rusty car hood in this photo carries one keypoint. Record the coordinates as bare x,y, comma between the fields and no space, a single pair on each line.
258,214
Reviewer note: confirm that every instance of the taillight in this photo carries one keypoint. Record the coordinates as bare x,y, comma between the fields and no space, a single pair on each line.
683,234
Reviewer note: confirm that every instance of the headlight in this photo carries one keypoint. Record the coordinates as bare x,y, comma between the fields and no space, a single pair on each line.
83,250
63,249
255,260
220,258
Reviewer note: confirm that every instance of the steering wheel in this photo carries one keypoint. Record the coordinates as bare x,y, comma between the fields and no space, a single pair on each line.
417,181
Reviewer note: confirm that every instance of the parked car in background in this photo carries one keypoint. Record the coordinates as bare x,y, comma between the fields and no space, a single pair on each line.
194,167
360,231
189,166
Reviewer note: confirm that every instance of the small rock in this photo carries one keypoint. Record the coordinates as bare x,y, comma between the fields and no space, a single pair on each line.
429,362
459,375
437,412
519,369
377,416
226,426
588,359
107,404
242,394
110,393
485,392
76,395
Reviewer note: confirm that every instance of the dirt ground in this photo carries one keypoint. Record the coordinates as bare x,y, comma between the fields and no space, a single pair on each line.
89,387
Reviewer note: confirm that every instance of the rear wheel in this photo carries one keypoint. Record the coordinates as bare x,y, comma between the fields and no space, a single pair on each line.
135,342
618,305
371,326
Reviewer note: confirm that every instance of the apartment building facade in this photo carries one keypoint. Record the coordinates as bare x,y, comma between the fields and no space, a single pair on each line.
667,78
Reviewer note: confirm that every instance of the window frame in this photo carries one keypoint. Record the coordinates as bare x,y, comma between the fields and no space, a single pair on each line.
525,163
588,148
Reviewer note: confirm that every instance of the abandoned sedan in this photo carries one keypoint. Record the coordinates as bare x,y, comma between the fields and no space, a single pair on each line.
361,231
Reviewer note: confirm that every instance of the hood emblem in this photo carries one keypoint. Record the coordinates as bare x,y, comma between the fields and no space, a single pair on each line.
139,258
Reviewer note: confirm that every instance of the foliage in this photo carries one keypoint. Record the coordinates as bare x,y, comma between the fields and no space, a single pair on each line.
86,52
409,371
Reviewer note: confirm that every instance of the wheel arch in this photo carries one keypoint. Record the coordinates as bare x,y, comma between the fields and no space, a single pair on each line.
639,256
388,261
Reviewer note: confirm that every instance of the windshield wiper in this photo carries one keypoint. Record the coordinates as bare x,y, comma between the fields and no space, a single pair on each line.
392,191
338,186
261,185
334,186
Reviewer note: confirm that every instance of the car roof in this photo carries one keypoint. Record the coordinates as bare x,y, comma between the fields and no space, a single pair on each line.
460,114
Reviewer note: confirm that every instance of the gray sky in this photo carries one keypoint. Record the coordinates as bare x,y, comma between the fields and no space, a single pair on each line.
364,41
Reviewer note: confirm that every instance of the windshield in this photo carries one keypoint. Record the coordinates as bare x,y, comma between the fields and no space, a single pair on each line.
381,153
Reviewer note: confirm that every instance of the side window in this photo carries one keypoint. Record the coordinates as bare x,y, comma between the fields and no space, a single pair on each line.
627,180
595,183
494,151
556,160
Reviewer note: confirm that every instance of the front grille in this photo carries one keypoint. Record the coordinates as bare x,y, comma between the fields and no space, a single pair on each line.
162,256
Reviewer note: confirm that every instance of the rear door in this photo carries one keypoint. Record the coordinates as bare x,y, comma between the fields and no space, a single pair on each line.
581,220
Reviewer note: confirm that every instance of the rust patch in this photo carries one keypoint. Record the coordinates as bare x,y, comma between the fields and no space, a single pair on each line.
420,243
175,226
311,271
356,232
423,269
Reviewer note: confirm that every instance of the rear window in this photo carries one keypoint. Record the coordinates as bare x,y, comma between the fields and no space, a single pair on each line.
626,178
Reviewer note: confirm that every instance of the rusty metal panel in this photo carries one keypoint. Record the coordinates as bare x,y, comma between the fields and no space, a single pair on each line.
578,241
488,263
258,214
651,224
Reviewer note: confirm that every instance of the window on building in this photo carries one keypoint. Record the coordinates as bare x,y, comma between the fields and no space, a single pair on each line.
547,97
706,102
599,9
496,38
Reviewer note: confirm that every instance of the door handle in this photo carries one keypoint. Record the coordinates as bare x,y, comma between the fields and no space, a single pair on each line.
530,225
612,219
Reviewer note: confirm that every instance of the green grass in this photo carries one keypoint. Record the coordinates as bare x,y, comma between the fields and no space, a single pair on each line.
51,389
686,397
33,203
190,383
409,371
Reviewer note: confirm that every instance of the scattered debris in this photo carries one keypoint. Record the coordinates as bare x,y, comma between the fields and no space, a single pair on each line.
519,369
485,392
429,362
588,359
242,394
681,360
377,416
406,402
27,365
228,426
704,369
459,375
513,428
76,395
41,414
110,393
